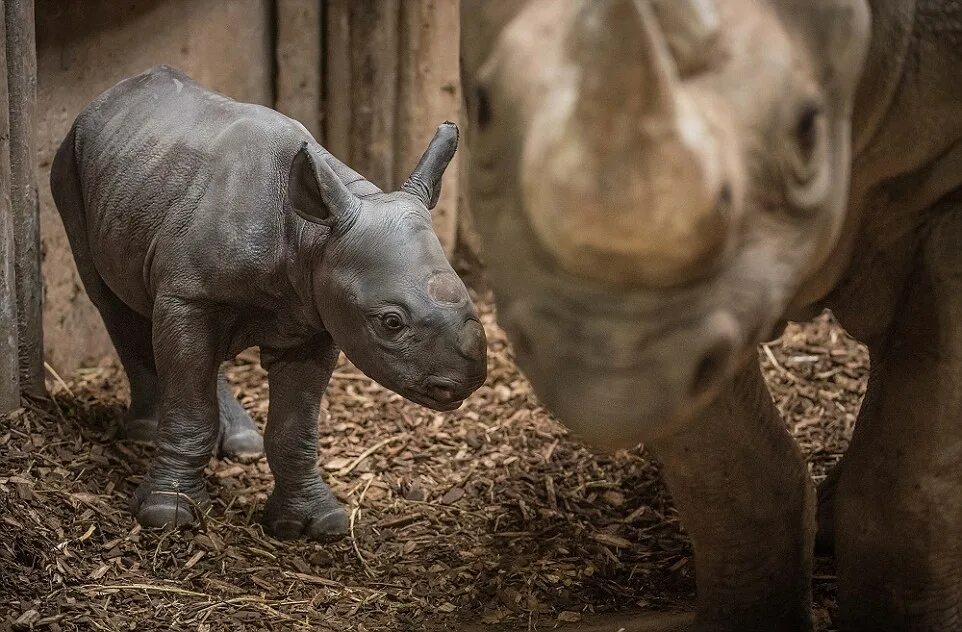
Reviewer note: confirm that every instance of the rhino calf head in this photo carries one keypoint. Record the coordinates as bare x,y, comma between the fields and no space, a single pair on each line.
384,288
653,180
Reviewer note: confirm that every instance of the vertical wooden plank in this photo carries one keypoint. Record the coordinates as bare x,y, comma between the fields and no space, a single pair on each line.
22,95
9,354
468,238
298,58
374,55
428,94
337,78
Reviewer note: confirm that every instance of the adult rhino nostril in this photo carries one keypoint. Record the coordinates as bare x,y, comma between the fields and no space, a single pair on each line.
711,368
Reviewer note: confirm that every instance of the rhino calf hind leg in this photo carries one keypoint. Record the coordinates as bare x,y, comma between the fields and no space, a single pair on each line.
239,438
744,494
129,331
301,505
131,334
898,542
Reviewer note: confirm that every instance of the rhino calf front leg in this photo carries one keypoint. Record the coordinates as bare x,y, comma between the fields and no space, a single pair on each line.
187,352
746,499
301,505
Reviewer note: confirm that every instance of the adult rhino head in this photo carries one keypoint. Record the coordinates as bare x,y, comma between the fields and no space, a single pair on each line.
654,182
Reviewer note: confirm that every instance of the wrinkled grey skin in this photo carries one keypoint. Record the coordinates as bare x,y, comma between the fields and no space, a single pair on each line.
201,227
637,263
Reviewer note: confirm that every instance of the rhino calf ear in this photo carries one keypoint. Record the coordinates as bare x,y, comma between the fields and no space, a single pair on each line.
425,181
315,191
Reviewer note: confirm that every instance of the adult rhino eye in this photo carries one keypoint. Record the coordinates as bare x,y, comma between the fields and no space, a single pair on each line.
806,159
808,138
808,131
483,107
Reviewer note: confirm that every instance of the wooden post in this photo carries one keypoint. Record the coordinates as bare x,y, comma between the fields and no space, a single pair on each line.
22,95
299,63
428,94
390,78
361,86
9,354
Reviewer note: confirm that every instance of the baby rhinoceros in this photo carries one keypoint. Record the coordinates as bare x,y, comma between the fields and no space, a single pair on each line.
202,226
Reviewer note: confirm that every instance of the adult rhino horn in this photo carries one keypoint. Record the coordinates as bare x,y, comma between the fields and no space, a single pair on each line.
625,60
691,29
628,181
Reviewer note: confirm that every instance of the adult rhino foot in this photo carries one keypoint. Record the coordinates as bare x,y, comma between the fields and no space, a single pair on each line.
319,517
160,506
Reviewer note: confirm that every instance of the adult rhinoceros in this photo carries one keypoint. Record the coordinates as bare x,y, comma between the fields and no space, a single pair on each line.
660,183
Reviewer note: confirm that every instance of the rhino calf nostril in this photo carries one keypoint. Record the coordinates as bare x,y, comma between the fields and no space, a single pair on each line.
443,393
473,343
711,368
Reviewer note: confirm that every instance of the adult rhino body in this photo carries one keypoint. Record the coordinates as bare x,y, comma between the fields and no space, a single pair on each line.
658,185
202,226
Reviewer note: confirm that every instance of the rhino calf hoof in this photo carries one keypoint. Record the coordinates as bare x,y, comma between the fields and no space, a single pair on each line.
161,508
324,522
246,444
140,429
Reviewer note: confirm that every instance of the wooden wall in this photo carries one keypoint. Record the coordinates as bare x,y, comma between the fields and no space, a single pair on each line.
386,75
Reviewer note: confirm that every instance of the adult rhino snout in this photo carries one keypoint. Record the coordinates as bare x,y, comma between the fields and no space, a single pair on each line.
616,383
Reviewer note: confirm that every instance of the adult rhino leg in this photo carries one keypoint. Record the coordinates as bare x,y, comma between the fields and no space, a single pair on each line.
825,534
898,543
187,352
301,505
239,438
745,497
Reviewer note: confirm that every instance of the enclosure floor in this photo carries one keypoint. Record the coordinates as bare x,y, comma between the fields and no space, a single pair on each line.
487,516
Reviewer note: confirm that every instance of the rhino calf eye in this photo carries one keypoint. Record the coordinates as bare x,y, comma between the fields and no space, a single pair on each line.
392,322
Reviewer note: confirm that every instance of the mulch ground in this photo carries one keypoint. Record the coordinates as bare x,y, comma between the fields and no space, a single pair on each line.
490,513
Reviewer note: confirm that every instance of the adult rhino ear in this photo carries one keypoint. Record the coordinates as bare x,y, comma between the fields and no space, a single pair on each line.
425,181
315,191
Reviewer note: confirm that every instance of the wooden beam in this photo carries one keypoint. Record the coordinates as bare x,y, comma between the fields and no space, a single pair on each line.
9,354
361,86
22,94
336,82
298,57
428,94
